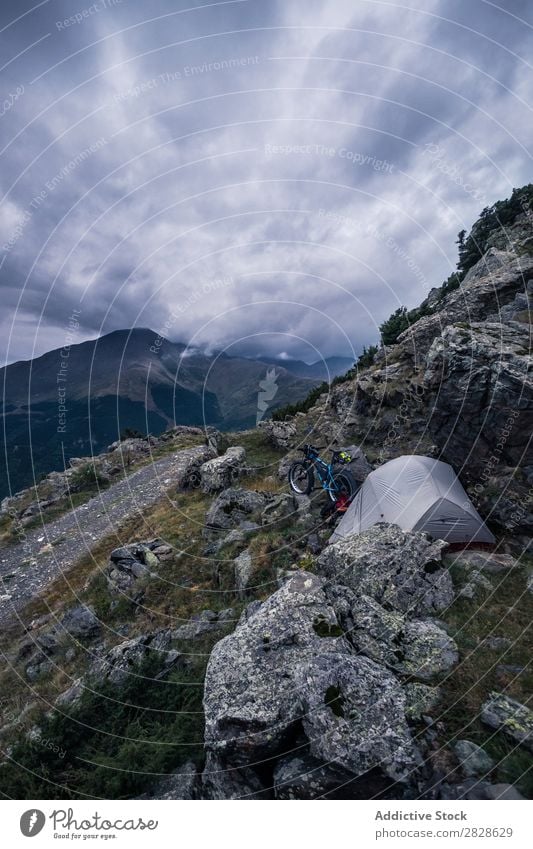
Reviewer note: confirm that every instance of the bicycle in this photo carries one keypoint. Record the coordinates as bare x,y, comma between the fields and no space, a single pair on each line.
339,484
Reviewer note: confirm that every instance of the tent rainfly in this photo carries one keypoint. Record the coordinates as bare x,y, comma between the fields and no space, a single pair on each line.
418,494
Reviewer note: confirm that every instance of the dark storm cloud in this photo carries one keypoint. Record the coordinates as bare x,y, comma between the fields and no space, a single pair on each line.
265,176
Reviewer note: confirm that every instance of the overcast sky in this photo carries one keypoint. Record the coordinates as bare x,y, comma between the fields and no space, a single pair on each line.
270,176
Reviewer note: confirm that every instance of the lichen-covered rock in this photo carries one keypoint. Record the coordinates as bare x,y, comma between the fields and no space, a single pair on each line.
427,650
353,716
477,585
403,571
509,716
419,699
486,562
302,776
286,666
473,759
412,647
183,783
222,472
220,781
243,572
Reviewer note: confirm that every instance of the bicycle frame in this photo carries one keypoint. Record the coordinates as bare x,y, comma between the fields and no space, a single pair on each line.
324,471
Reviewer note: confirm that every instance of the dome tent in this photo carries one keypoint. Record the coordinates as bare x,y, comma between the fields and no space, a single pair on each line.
418,494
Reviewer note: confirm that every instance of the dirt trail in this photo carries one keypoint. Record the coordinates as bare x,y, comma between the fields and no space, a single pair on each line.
27,567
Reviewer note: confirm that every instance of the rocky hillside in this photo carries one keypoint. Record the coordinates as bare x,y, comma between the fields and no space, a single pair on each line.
214,645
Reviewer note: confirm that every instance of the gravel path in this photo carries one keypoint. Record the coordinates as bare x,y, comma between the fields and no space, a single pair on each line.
27,567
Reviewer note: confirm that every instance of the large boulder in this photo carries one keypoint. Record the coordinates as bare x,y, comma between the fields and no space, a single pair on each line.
222,472
287,672
402,571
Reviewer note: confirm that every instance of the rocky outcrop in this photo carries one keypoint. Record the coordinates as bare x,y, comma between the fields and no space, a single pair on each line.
401,571
287,678
128,658
490,288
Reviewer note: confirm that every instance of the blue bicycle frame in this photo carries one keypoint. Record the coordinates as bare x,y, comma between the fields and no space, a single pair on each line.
324,471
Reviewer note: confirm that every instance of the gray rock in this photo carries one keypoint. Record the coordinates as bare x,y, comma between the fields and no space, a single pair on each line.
220,781
502,791
419,699
477,585
305,777
402,571
234,506
465,367
280,667
249,611
183,783
473,759
131,563
222,472
481,561
499,644
72,695
125,659
412,647
203,623
81,622
278,510
510,717
243,572
353,716
427,650
280,434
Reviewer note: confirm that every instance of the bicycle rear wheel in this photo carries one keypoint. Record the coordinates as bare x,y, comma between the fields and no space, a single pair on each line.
346,486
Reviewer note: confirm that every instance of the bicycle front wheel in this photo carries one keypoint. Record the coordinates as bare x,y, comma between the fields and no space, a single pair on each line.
301,478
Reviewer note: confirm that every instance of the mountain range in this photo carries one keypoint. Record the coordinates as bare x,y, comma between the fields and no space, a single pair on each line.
78,399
